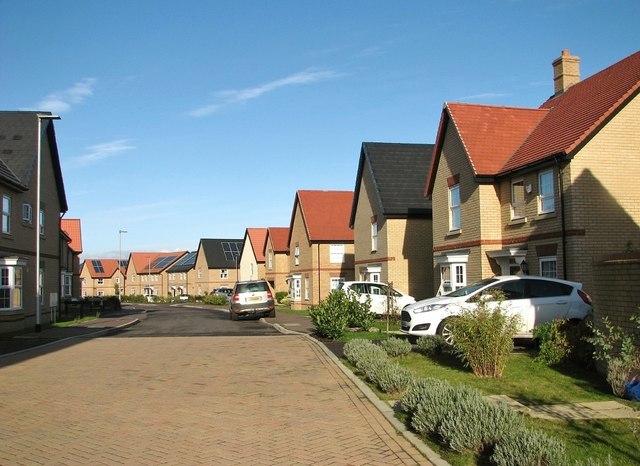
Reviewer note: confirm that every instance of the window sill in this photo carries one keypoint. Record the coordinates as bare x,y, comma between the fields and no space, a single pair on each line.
457,232
517,221
546,215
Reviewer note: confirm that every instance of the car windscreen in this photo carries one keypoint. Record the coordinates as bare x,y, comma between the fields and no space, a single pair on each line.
251,287
469,289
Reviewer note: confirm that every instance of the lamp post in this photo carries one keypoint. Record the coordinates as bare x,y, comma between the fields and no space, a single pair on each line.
38,220
120,265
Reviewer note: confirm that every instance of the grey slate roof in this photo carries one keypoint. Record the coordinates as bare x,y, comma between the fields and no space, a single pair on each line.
399,173
186,263
18,151
214,252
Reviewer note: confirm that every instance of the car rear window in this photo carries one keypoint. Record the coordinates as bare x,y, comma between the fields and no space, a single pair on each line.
251,287
547,288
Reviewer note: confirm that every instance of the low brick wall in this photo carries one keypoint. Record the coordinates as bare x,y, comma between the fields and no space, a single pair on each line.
616,290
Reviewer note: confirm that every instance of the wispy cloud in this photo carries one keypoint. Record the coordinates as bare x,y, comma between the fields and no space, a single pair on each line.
483,96
103,151
61,101
239,96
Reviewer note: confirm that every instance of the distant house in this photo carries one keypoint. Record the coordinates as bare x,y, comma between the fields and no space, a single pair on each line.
21,282
541,191
391,218
181,276
70,251
276,253
217,262
101,277
252,265
320,245
146,272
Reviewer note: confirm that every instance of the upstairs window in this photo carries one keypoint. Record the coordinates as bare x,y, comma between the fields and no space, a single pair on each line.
517,199
224,274
454,207
27,213
374,235
547,195
296,255
6,214
336,253
42,221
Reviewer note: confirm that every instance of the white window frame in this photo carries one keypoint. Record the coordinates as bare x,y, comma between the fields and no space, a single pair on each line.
306,289
546,197
224,274
374,236
547,260
6,214
11,283
42,222
336,253
270,260
27,213
517,205
66,283
334,282
100,281
296,255
455,219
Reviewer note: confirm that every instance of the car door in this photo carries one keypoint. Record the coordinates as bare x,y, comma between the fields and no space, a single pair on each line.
516,302
378,295
551,300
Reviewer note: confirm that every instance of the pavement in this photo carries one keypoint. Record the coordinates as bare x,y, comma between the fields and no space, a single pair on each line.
69,397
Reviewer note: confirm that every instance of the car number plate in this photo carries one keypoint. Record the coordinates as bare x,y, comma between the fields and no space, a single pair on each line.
253,298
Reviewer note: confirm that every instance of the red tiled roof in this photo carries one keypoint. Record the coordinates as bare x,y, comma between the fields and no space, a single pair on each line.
279,238
499,140
580,111
142,260
326,214
109,267
72,227
258,238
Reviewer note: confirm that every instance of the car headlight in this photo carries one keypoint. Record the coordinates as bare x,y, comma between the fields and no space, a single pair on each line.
427,308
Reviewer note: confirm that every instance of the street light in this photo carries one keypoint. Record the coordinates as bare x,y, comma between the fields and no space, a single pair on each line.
38,223
120,265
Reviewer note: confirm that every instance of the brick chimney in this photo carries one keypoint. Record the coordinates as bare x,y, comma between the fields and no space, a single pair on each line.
566,72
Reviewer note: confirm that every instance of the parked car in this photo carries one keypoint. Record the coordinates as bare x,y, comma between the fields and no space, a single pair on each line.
184,297
536,300
251,298
377,294
223,291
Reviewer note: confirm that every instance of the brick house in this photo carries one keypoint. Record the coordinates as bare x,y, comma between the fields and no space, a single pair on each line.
70,251
276,253
217,262
181,276
542,191
320,245
21,282
100,277
391,218
146,275
251,262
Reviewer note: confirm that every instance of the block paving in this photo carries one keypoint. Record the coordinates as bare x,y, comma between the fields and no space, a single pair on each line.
274,400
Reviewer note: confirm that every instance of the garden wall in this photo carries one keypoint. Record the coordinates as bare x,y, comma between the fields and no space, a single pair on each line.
616,290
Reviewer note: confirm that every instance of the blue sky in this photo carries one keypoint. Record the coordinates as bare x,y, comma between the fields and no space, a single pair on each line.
188,119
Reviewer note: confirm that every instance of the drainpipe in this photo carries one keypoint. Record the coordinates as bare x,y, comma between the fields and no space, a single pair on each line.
562,219
318,273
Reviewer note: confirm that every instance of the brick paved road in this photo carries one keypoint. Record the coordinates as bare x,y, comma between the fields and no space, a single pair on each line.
276,400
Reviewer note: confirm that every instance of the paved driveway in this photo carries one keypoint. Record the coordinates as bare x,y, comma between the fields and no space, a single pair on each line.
190,400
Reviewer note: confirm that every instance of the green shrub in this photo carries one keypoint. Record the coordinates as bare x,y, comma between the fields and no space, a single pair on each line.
616,347
353,349
134,298
430,345
420,389
280,295
390,377
339,311
553,341
526,447
483,335
215,300
396,346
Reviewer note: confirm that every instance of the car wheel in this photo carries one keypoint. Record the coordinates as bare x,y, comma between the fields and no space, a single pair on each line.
444,330
272,313
233,315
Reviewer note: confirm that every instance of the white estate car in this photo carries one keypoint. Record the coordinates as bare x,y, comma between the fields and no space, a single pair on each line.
536,299
377,293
